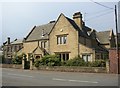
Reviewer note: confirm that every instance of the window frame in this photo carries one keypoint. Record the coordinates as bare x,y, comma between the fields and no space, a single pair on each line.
64,56
61,39
43,44
87,57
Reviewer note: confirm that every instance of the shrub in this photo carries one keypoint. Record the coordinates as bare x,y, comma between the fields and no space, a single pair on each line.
38,62
98,63
3,59
77,61
17,59
48,60
53,60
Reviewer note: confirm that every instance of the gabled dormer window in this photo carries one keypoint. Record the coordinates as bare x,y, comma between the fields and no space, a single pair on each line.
61,39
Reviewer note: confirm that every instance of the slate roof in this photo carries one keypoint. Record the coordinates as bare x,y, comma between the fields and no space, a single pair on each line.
17,41
36,33
104,36
82,32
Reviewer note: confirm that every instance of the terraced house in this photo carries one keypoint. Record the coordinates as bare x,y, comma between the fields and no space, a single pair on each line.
68,38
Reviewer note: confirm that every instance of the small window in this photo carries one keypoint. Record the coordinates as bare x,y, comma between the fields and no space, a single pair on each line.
61,39
43,44
64,39
67,56
15,48
37,57
63,56
86,58
8,49
58,40
19,47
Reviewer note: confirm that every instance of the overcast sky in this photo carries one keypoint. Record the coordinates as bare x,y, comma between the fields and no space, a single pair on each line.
18,18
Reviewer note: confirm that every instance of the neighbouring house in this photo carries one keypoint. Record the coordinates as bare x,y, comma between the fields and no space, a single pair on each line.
106,39
11,48
68,38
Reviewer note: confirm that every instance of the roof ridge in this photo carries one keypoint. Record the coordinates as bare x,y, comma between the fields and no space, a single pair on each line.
44,24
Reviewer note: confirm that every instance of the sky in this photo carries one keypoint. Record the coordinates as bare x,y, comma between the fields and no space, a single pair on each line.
18,18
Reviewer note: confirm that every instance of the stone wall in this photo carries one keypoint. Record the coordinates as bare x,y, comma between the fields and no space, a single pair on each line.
11,66
73,69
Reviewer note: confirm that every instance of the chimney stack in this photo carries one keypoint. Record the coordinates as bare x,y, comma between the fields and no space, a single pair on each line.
8,40
77,17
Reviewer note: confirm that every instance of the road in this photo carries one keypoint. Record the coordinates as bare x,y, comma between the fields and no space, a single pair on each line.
19,77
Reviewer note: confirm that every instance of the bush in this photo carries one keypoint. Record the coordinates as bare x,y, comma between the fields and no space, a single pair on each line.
48,60
53,60
98,63
3,59
17,59
77,61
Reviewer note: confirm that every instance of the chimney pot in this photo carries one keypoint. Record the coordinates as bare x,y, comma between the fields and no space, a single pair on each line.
8,40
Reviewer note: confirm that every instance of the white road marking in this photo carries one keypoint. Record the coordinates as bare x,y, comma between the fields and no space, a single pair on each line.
82,81
19,75
57,79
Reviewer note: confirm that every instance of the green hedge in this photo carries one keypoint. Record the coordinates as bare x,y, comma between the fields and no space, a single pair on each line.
53,60
48,60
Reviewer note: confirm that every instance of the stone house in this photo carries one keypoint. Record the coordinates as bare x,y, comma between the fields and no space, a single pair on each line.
68,38
11,48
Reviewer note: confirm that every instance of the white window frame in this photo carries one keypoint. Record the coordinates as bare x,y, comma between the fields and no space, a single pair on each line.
61,39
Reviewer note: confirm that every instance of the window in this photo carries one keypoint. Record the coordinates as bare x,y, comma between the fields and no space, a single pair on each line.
15,48
63,56
43,44
87,58
20,47
61,39
8,49
38,56
58,40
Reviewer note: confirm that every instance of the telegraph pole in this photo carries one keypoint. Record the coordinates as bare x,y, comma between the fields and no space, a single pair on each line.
117,47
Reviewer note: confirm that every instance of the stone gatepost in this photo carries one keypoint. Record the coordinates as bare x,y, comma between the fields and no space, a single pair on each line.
23,62
107,66
31,62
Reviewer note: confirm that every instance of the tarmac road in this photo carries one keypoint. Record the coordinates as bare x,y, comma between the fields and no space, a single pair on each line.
19,77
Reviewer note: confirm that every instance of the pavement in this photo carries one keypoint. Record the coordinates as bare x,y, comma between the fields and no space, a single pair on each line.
19,77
